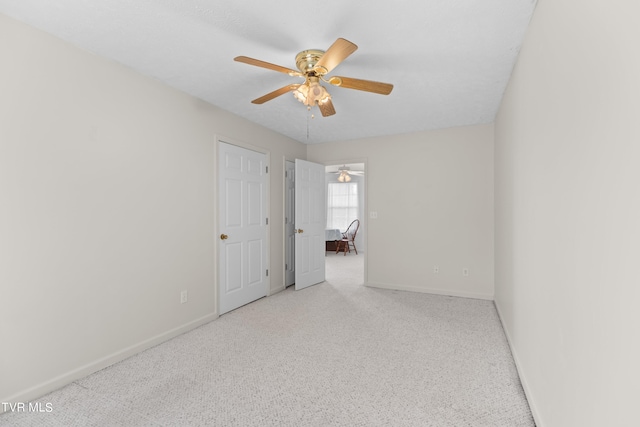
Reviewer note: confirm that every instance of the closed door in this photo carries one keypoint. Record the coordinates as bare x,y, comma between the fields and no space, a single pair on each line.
310,223
242,201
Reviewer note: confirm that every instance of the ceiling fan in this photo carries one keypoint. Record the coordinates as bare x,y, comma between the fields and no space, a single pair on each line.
344,173
313,66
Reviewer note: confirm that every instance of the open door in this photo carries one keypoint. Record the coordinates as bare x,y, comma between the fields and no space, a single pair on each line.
310,223
289,224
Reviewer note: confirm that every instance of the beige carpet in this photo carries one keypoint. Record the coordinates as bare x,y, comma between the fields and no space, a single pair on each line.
335,354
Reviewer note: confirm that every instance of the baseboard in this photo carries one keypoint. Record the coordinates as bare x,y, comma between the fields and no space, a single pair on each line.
88,369
523,378
276,290
446,292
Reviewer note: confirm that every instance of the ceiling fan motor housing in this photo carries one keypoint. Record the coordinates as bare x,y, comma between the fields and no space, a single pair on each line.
307,60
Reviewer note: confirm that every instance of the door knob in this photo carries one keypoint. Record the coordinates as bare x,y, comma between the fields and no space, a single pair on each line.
300,230
223,237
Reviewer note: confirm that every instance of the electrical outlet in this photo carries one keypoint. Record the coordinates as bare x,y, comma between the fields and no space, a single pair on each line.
184,297
436,269
465,271
373,215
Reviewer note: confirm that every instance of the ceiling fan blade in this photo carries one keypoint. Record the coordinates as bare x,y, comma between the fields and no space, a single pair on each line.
275,94
326,108
336,53
268,65
359,84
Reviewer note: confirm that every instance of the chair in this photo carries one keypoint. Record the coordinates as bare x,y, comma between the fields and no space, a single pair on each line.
348,238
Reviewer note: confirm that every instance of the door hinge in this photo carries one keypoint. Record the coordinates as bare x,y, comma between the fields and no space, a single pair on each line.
286,266
267,169
267,221
286,174
267,272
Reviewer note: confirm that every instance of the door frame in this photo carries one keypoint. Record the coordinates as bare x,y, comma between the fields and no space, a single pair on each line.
216,209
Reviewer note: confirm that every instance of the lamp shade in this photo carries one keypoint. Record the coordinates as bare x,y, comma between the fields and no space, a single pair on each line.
311,93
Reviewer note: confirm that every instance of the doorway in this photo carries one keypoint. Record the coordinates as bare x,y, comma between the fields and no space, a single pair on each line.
346,203
350,265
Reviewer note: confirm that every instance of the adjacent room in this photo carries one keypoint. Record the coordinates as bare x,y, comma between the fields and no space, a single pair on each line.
180,185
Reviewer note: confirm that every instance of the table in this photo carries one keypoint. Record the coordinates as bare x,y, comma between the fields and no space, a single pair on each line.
332,236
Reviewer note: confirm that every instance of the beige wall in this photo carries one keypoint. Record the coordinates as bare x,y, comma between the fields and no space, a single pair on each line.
433,193
107,210
568,213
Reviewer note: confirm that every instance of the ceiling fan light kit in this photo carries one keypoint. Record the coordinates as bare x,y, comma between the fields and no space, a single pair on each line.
311,93
314,64
344,176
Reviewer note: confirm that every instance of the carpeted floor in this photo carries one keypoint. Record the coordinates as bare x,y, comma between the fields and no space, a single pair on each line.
335,354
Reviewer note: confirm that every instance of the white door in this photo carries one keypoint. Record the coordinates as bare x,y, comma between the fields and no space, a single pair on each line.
310,223
289,223
242,201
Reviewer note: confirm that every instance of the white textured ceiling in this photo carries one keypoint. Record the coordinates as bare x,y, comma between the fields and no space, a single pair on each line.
449,60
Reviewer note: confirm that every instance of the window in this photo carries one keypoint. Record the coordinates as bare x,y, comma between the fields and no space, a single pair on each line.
342,204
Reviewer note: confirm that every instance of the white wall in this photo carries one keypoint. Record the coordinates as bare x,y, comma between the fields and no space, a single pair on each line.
568,213
433,192
107,210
